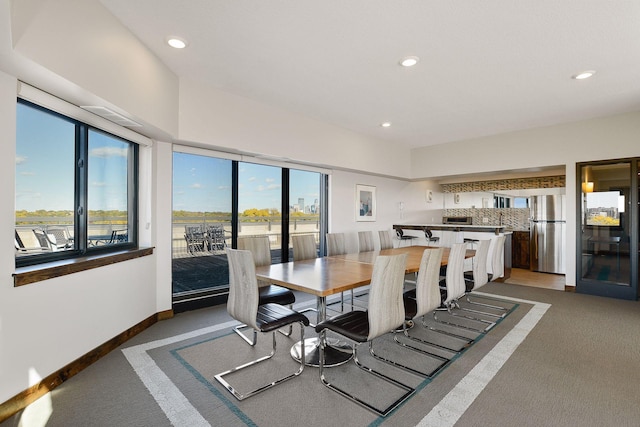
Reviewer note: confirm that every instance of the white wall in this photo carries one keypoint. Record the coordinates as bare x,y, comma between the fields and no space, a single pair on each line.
215,118
89,58
597,139
389,193
162,222
46,325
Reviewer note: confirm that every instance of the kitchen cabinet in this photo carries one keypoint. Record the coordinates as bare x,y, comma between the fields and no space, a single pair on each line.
520,250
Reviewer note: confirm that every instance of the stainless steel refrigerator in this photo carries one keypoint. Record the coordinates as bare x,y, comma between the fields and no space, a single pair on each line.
548,232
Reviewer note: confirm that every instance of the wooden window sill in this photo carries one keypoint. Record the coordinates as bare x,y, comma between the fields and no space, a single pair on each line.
37,273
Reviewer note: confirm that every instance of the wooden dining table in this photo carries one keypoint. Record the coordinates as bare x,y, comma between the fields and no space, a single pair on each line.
331,275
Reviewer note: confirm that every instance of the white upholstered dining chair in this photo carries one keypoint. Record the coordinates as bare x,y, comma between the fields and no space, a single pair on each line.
385,313
244,305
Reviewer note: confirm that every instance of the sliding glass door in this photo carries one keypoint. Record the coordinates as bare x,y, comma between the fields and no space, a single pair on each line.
608,243
305,205
260,204
202,213
217,200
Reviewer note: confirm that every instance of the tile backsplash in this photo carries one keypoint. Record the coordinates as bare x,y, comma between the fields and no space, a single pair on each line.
557,181
514,218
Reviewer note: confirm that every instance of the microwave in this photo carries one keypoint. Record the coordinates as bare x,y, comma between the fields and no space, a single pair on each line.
460,220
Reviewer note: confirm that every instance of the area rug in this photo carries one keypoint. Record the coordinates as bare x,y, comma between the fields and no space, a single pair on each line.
179,373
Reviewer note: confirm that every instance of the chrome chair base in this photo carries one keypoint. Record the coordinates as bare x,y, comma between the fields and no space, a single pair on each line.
467,342
238,330
443,361
242,396
457,325
408,391
495,307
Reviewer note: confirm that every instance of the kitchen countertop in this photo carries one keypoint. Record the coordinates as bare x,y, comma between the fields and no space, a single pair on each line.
455,227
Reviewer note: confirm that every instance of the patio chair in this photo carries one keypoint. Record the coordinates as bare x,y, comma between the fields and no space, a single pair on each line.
195,238
116,236
27,242
63,239
215,238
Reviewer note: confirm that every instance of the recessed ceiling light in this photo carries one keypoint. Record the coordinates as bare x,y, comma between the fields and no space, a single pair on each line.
409,61
176,42
583,75
386,124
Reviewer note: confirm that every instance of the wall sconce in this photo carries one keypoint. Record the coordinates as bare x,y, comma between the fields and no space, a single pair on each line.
587,187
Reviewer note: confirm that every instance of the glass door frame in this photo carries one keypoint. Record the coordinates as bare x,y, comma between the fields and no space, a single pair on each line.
598,287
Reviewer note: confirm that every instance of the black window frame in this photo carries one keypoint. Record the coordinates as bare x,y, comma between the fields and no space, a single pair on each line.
81,244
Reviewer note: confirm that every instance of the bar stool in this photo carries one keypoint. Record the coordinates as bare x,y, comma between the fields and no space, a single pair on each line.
430,237
404,238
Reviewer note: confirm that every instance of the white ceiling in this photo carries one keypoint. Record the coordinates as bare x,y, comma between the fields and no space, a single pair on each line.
486,67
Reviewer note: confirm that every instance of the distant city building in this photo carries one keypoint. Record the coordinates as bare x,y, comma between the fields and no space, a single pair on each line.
307,209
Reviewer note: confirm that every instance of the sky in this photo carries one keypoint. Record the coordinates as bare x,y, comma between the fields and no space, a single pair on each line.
45,165
203,184
605,199
45,173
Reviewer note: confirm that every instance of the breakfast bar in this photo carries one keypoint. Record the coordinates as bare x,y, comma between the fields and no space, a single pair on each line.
458,232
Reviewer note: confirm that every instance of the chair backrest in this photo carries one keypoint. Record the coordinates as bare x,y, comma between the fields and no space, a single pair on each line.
427,284
43,240
480,277
61,235
27,241
497,258
385,240
216,237
242,304
455,272
365,241
119,236
215,232
304,247
193,230
335,244
386,306
428,234
259,247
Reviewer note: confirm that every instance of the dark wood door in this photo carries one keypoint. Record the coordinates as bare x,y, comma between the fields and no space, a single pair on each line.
520,249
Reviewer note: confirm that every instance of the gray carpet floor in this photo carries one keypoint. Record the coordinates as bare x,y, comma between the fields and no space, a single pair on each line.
559,359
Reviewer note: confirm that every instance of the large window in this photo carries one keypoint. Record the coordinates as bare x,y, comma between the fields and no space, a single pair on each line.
304,205
217,200
76,188
260,204
202,201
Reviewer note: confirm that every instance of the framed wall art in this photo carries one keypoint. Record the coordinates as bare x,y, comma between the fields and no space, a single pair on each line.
366,208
